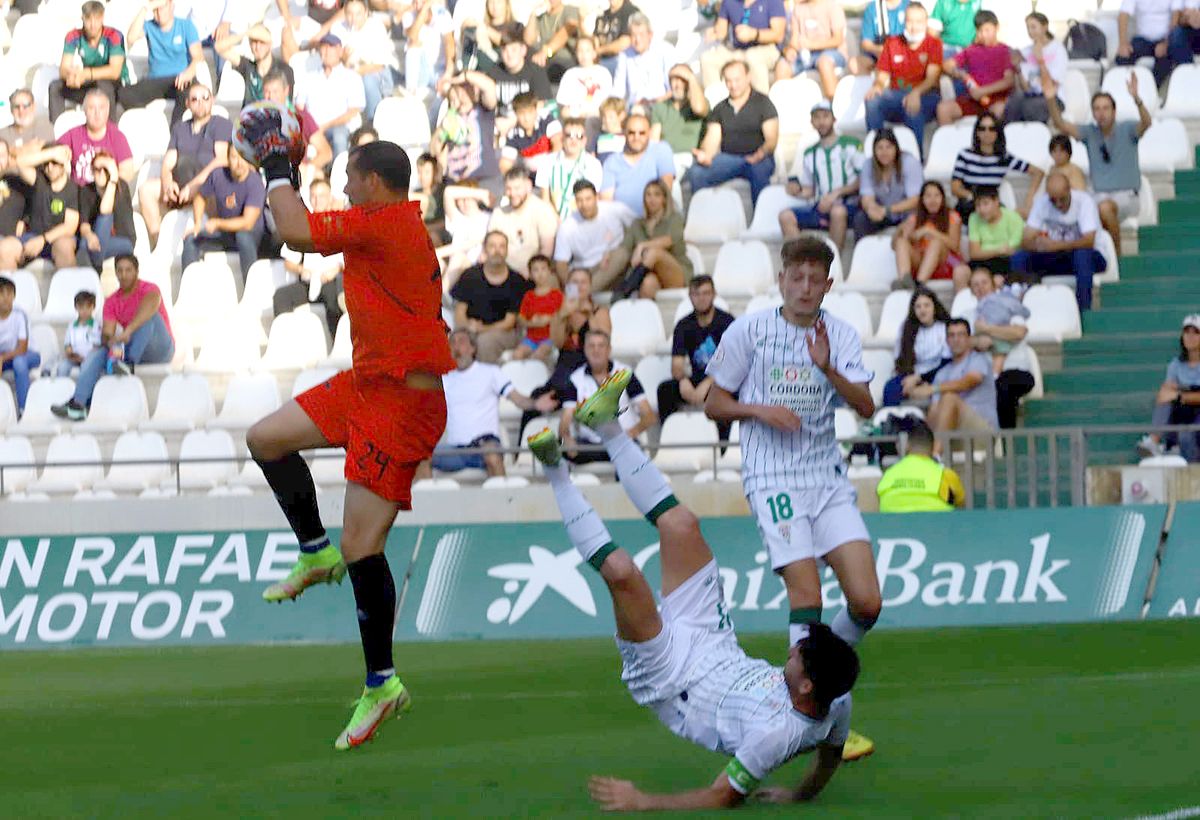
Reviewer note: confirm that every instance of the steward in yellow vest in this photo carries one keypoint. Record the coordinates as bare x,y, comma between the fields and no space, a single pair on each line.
917,483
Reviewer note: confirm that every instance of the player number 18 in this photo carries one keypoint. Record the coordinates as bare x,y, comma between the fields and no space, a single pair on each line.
780,506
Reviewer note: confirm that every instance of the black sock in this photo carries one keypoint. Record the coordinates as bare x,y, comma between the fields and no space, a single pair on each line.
292,483
375,597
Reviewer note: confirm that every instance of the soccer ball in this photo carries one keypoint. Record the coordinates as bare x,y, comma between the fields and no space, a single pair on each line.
265,128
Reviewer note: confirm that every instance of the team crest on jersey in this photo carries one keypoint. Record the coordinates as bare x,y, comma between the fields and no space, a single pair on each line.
792,374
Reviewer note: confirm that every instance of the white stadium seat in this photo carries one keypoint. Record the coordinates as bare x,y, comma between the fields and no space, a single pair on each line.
311,377
652,371
296,340
891,318
849,104
206,444
845,423
873,268
686,428
60,300
148,133
16,450
207,299
1165,147
526,375
133,478
44,339
1182,99
880,363
1115,80
118,404
328,466
80,450
771,202
794,99
262,280
43,394
67,120
185,402
29,292
1076,97
235,350
637,328
505,482
1054,315
851,307
765,301
964,305
342,352
715,215
8,406
249,397
743,269
402,120
947,141
1029,141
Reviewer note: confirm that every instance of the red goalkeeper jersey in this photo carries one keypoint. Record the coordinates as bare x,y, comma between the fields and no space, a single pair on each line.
393,288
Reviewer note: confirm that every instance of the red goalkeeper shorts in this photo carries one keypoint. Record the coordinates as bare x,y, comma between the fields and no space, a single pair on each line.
387,428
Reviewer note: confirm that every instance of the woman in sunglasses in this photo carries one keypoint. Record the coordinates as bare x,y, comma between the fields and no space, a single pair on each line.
985,165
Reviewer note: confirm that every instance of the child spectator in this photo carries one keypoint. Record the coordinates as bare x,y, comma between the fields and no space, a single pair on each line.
985,68
533,139
538,309
15,353
997,309
995,232
83,335
927,244
612,128
1061,152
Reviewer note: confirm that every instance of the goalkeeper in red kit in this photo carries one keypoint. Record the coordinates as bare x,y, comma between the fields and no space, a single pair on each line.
388,411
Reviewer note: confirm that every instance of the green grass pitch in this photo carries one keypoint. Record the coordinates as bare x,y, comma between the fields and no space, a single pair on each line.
1080,721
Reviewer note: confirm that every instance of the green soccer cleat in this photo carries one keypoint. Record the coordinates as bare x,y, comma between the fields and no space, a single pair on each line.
544,446
323,567
374,707
605,404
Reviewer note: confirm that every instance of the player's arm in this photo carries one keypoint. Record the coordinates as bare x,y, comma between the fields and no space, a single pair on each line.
855,394
825,763
621,795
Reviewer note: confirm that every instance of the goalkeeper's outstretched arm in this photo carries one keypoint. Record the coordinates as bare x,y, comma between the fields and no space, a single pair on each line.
291,216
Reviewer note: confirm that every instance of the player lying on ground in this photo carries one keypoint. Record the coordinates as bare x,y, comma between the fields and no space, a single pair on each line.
781,373
686,664
388,411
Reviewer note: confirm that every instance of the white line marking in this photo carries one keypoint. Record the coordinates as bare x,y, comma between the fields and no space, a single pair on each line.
1178,814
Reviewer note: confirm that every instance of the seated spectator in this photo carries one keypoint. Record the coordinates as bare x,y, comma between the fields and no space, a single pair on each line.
1061,152
612,31
1060,238
481,27
611,139
538,309
995,233
97,134
320,277
955,24
93,57
254,71
587,238
985,70
473,393
431,196
693,344
15,353
641,74
920,349
556,177
15,194
29,127
999,322
551,32
82,336
880,21
333,94
579,314
653,250
1151,19
1177,402
487,299
1184,39
740,137
889,186
227,214
318,153
464,140
515,74
626,173
1116,173
136,330
918,483
826,175
467,220
369,52
106,227
533,140
679,120
528,221
963,393
906,79
986,163
927,244
197,148
750,32
817,41
1040,74
52,209
586,85
636,414
175,56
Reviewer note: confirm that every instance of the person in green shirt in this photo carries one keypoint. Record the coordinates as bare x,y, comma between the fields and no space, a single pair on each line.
956,19
93,57
918,483
994,232
679,120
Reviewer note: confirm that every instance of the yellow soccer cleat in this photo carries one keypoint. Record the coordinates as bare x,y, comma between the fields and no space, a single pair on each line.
857,747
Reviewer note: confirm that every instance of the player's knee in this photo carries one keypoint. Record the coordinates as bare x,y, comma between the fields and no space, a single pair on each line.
619,570
261,444
865,612
678,523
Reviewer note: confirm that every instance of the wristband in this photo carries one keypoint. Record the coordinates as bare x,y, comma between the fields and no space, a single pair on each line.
279,168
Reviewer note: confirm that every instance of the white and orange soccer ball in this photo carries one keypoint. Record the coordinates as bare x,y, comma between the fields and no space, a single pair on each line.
265,128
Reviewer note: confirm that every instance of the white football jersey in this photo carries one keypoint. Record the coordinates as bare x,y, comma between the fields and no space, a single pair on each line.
764,359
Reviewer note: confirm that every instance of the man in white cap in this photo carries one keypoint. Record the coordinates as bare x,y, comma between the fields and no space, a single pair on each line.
827,176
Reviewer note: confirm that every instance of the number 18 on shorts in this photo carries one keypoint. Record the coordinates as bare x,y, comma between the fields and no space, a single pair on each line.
800,524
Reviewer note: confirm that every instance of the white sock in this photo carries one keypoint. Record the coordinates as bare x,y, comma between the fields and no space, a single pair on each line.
584,527
797,633
644,483
845,628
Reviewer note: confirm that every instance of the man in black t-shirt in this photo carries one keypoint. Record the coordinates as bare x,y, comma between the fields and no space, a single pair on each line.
517,75
52,212
612,32
694,342
14,196
487,298
740,137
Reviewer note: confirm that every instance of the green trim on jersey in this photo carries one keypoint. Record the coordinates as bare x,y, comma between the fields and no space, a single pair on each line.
601,555
740,776
661,507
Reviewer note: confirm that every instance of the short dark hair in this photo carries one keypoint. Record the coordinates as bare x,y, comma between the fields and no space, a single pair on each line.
518,171
512,33
387,160
540,257
427,159
700,281
829,662
958,320
127,257
276,75
526,99
983,17
364,131
987,192
920,436
85,297
1062,141
807,249
1106,96
7,284
92,7
583,185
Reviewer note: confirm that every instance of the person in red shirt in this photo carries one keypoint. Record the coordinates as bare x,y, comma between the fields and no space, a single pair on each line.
538,309
388,411
906,79
983,73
